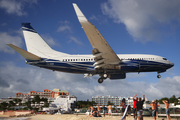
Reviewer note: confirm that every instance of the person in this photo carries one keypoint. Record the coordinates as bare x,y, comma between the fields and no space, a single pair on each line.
134,106
110,110
77,111
99,109
89,111
156,108
95,113
92,109
104,108
139,107
153,105
166,102
123,104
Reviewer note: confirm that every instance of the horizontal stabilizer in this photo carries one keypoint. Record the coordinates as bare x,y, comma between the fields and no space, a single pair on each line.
25,54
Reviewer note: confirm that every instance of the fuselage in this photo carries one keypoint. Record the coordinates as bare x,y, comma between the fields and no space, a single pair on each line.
85,64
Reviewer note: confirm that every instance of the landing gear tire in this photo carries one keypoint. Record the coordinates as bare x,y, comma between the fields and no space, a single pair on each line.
100,80
158,76
105,76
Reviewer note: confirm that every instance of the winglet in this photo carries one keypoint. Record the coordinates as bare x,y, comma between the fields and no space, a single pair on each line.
27,55
79,14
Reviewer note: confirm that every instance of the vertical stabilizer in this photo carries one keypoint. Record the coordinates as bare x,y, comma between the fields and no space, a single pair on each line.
35,44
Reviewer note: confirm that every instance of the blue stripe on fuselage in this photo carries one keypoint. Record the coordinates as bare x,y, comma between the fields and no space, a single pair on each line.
85,67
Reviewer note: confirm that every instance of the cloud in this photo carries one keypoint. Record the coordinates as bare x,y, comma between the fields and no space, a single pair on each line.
4,24
15,6
25,79
49,40
6,38
64,26
73,39
3,84
144,20
93,17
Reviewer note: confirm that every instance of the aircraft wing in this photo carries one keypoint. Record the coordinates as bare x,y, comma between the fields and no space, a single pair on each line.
104,55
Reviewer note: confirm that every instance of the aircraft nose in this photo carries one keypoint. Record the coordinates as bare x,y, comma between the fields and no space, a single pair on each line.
171,64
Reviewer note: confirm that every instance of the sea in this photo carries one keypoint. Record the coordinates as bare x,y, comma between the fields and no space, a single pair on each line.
20,118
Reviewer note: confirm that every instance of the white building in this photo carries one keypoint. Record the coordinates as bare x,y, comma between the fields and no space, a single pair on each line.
116,100
67,103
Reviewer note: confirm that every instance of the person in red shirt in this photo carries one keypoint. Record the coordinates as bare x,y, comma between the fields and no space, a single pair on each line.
134,106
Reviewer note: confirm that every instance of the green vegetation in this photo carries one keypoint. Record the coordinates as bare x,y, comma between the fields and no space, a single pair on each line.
172,99
85,104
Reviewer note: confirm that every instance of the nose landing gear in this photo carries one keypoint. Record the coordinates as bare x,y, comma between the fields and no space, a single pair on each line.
158,76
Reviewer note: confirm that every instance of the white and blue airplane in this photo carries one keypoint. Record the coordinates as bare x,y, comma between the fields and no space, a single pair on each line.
103,61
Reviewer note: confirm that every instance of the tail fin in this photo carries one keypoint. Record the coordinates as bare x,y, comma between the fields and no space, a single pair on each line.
35,44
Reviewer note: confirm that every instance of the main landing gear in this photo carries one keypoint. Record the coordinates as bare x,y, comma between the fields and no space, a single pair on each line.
101,79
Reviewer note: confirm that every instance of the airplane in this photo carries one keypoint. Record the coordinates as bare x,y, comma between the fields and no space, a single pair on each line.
103,60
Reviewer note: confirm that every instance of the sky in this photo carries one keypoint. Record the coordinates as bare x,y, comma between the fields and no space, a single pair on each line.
129,26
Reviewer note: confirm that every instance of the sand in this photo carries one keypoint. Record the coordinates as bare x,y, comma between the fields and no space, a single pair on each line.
79,117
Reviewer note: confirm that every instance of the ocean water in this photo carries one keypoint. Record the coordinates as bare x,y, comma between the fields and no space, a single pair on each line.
18,118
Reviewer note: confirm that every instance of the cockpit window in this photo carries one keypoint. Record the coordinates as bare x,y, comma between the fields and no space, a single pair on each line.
164,59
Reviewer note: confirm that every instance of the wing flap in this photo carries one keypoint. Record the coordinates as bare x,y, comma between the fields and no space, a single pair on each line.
25,54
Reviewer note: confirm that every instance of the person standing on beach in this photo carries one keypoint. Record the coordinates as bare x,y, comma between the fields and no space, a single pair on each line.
153,105
104,108
110,110
166,102
77,110
99,109
156,108
134,106
123,104
139,107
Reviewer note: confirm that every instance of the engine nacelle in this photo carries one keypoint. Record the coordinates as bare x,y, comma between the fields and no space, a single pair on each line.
117,76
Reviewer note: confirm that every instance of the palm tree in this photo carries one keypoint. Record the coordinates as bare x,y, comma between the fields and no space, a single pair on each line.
11,104
3,106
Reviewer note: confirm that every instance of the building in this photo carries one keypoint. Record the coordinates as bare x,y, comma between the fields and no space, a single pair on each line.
66,103
115,100
45,94
6,99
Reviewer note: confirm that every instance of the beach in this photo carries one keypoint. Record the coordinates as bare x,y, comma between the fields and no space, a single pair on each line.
72,117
